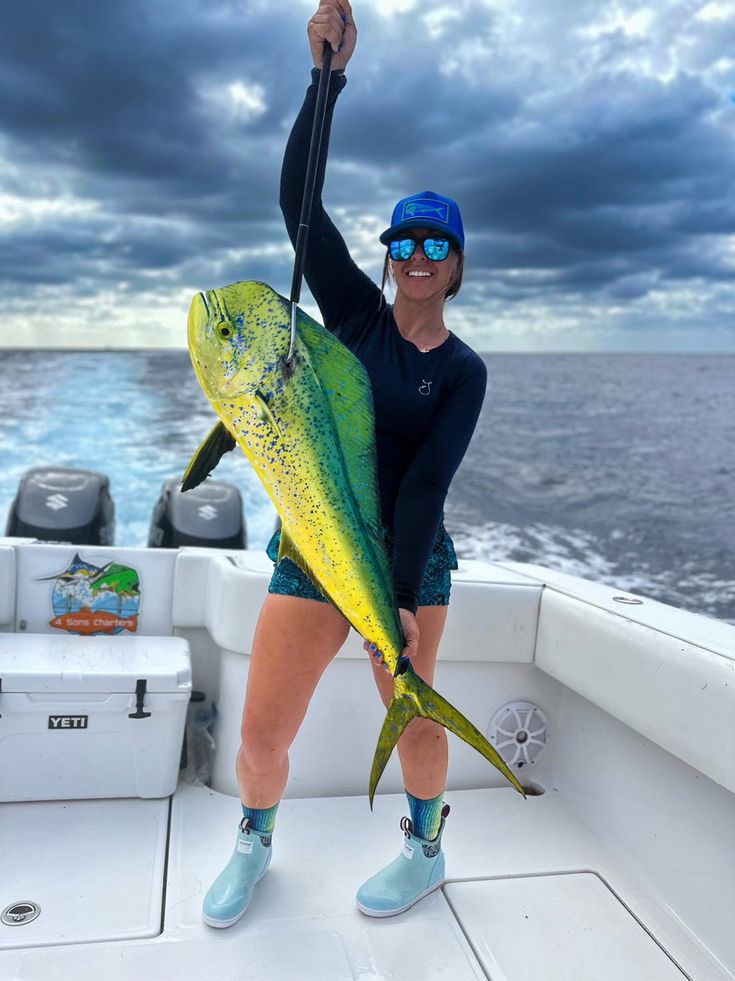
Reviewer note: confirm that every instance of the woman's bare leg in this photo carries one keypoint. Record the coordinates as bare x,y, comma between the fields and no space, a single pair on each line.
423,746
295,640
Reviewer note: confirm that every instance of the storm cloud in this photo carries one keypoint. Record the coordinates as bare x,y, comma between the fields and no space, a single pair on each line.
591,147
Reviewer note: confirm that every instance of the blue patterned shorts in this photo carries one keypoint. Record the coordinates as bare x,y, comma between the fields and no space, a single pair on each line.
289,580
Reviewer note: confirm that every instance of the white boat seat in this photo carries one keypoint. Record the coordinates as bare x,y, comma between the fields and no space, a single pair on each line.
670,689
678,691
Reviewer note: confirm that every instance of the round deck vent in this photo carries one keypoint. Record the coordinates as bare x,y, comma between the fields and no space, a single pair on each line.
18,914
519,731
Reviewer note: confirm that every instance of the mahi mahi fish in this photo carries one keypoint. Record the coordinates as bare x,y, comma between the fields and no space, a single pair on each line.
308,429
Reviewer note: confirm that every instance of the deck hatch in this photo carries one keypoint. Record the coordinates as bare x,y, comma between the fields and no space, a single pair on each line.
94,867
567,927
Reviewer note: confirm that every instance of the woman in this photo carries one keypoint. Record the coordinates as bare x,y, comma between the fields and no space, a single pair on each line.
428,388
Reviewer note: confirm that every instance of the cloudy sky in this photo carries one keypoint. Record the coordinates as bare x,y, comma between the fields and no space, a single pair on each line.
590,144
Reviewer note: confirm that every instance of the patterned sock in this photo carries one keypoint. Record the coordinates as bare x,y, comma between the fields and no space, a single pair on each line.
261,818
426,815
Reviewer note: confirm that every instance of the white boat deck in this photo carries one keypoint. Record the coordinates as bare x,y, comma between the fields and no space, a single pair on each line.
532,895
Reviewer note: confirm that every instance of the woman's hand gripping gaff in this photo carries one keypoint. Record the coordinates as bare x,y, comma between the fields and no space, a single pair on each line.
332,23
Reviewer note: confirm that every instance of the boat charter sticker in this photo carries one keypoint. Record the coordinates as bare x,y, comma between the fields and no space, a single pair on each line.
89,599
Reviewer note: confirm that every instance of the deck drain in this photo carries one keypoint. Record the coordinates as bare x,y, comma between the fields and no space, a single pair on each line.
533,789
18,914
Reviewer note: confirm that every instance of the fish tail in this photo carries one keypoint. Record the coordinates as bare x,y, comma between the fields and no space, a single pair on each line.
412,698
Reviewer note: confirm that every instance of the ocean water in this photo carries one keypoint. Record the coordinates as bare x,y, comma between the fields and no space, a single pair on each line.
616,467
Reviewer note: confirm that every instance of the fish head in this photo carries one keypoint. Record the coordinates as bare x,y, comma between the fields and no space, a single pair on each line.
238,336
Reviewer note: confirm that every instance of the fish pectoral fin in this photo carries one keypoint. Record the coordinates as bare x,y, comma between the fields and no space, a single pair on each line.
288,549
265,411
413,697
218,442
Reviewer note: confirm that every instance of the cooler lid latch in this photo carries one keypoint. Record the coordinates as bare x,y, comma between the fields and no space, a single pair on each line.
140,687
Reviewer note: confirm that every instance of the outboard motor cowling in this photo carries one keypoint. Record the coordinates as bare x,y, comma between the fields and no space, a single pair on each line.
60,504
209,515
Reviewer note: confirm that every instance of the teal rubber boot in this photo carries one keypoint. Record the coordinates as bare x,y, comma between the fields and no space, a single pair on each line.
230,893
417,871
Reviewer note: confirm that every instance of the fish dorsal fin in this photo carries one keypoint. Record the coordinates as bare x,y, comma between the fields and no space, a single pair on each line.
347,387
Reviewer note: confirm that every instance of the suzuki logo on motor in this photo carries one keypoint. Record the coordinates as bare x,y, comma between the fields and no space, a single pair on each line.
56,502
68,721
207,512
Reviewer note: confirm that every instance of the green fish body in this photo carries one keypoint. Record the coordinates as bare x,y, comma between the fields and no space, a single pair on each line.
307,427
116,578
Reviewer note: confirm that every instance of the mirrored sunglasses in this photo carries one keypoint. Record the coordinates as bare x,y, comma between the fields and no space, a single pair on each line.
436,249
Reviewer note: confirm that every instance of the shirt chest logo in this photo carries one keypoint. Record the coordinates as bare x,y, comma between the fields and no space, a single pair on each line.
425,388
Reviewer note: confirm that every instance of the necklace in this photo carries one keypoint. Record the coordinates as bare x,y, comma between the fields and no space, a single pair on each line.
424,348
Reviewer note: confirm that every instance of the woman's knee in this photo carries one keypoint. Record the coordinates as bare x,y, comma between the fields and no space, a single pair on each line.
294,645
259,755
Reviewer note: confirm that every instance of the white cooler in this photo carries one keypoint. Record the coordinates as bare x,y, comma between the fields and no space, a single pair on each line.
88,717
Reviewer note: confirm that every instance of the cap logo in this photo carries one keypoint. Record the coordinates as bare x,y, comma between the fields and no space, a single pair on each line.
426,207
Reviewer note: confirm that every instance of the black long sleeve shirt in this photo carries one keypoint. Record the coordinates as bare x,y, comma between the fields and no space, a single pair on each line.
426,404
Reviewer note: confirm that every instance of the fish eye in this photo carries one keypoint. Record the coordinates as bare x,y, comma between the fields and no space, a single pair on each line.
225,329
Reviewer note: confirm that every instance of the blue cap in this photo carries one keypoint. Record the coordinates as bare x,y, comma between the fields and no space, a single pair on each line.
426,210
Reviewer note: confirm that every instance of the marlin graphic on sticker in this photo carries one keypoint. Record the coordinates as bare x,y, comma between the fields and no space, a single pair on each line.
425,206
89,599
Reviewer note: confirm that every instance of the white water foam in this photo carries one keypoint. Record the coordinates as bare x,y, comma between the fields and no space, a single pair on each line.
582,553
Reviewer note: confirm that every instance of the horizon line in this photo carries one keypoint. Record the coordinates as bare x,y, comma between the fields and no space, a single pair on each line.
107,349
